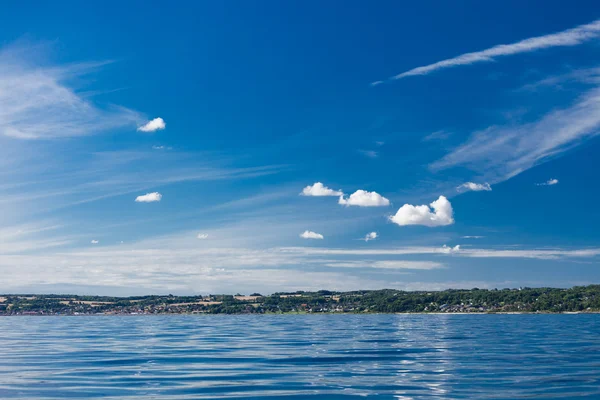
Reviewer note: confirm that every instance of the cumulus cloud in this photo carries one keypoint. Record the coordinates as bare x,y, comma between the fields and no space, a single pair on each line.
202,236
149,197
362,198
448,249
94,241
151,126
475,187
371,236
549,182
318,189
311,235
441,215
570,37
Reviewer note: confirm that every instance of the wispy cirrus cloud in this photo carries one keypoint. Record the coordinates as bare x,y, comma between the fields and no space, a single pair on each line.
569,37
369,153
437,135
540,254
37,103
399,264
501,152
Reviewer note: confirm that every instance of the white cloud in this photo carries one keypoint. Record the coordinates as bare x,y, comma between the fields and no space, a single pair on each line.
437,135
318,189
202,236
475,187
36,103
168,266
570,37
362,198
152,126
369,153
387,264
449,250
371,236
94,241
422,215
499,153
311,235
149,197
540,254
472,237
549,182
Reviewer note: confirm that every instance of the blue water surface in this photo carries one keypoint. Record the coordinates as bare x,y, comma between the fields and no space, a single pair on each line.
301,357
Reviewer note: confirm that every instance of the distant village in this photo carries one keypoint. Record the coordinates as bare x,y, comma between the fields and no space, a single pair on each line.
521,300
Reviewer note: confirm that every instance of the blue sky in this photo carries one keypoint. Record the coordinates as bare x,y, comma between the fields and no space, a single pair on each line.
240,147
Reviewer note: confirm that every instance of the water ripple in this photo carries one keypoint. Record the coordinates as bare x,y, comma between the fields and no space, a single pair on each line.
301,357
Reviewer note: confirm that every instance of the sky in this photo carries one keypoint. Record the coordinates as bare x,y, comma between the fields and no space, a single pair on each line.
239,147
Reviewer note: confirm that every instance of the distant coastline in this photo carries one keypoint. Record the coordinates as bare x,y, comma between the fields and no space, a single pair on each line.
579,299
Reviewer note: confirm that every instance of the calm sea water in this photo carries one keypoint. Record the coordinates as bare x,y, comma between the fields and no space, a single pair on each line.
301,357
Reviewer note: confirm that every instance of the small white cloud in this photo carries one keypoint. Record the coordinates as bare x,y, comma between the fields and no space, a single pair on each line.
362,198
472,237
371,236
549,182
475,187
318,189
369,153
202,236
311,235
161,147
149,197
376,83
94,241
155,125
437,135
379,143
422,215
448,250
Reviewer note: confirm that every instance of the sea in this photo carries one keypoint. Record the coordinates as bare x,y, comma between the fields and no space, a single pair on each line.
385,356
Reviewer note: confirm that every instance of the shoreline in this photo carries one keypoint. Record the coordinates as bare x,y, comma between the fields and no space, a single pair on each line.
296,313
576,300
